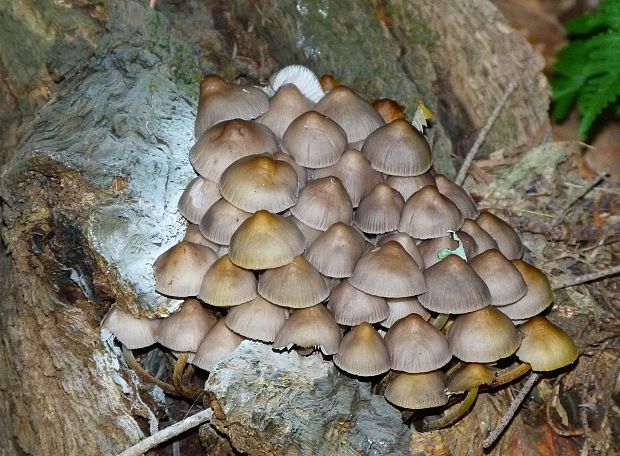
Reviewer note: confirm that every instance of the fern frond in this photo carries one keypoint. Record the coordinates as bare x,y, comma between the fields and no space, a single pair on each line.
600,92
607,16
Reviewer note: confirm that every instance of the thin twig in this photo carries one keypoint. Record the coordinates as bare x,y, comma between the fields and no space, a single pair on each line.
584,278
469,158
581,194
168,433
145,375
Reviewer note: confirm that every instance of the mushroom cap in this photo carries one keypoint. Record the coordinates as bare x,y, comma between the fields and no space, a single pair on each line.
295,285
328,82
483,336
132,332
545,347
507,239
351,112
470,376
310,327
388,271
335,251
219,342
322,203
398,149
538,297
264,241
197,198
184,330
417,391
416,346
180,269
401,307
431,248
314,141
301,77
302,174
226,284
407,242
258,319
310,234
193,234
428,214
259,182
503,279
454,288
483,240
379,211
362,352
408,185
389,109
457,195
286,105
227,142
351,306
221,221
220,100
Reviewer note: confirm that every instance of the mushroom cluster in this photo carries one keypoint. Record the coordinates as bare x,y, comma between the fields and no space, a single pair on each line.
317,222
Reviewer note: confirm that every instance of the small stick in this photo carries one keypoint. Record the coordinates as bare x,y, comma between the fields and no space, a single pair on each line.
583,193
588,278
168,433
145,375
469,158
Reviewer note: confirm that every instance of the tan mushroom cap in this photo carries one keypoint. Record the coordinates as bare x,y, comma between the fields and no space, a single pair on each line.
180,269
407,242
362,352
227,285
351,112
302,174
483,240
483,336
259,182
227,142
198,197
355,173
379,211
264,241
286,105
335,251
388,271
428,214
216,345
221,221
454,288
315,141
310,327
295,285
538,297
503,279
417,391
470,376
408,185
458,196
401,307
132,332
389,109
184,330
507,239
416,346
431,248
398,149
258,319
310,234
322,203
193,234
545,347
351,306
220,100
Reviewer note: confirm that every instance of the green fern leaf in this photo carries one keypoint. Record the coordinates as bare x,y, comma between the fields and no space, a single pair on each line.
600,93
607,16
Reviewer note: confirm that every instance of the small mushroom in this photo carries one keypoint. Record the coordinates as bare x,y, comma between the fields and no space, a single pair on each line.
379,211
417,391
351,306
302,174
504,280
401,307
217,345
221,221
322,203
199,195
131,331
428,214
483,240
408,185
193,234
433,250
407,242
335,251
538,296
507,239
457,195
389,109
227,285
184,330
310,234
362,352
286,105
258,319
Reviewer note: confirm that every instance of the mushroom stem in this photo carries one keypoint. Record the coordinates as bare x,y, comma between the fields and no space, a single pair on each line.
453,413
508,375
305,351
512,410
441,320
178,377
146,376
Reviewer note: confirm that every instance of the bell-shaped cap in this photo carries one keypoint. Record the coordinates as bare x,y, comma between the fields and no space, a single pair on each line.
458,196
401,307
362,352
416,346
351,112
302,174
322,203
483,336
503,279
408,185
355,173
545,347
258,319
335,251
295,285
314,140
538,297
286,105
310,234
180,269
398,149
432,248
417,391
184,330
483,240
193,234
216,345
428,214
407,242
264,241
454,288
389,109
507,239
220,100
470,376
310,327
221,221
132,332
388,271
259,182
301,77
227,142
351,306
226,284
379,211
198,197
328,82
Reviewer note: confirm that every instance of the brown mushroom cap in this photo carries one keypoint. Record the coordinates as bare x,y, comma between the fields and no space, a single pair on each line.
221,221
310,327
483,336
398,149
429,214
132,332
407,242
507,239
302,174
258,319
310,234
408,185
545,347
503,279
538,297
322,203
226,284
416,346
417,391
198,197
470,376
458,196
483,240
215,346
351,306
286,105
184,330
193,234
379,211
362,352
401,307
389,109
431,248
335,251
